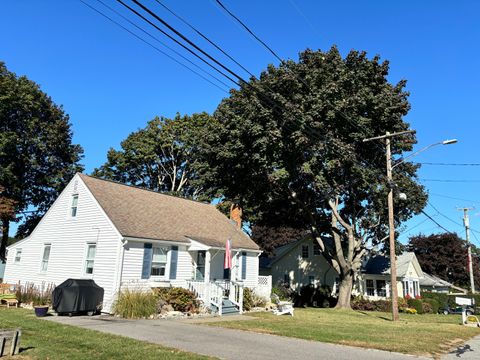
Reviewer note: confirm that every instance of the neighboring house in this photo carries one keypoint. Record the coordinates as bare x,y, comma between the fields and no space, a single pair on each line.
298,264
433,283
374,282
122,236
301,263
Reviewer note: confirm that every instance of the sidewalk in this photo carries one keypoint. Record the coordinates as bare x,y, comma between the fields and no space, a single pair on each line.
225,343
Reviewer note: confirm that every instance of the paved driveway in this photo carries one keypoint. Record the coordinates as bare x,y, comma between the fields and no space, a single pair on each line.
225,343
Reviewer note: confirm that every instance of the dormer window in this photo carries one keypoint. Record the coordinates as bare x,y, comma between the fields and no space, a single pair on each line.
73,209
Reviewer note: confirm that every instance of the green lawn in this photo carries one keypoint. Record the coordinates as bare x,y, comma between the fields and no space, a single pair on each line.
414,334
43,339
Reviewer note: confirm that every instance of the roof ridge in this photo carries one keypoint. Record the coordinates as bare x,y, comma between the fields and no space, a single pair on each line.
145,189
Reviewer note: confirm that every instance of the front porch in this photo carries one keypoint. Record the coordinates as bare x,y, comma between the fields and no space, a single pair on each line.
198,267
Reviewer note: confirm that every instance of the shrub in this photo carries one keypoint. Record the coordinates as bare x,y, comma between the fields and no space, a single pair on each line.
247,299
434,304
442,299
362,304
284,292
313,296
134,304
402,304
416,304
252,300
37,295
179,298
427,308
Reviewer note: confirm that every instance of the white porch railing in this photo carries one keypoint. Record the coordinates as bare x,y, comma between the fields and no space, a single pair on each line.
236,295
214,292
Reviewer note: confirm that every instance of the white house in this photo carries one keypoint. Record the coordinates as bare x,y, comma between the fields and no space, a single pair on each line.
374,282
298,264
122,236
301,263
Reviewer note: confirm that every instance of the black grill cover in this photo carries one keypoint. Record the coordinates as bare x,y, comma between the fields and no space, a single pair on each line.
74,296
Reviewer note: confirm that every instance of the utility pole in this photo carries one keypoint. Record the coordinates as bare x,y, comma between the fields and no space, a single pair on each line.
466,222
391,223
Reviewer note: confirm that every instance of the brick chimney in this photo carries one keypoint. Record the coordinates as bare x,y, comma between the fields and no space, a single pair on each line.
236,215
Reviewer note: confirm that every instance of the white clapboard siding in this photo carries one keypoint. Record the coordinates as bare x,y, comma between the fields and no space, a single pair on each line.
68,238
133,263
299,270
251,280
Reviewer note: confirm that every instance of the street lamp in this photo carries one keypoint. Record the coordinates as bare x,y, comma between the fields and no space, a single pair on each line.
391,225
445,142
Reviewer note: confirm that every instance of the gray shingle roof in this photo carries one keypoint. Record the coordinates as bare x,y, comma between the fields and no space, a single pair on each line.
147,214
432,280
380,264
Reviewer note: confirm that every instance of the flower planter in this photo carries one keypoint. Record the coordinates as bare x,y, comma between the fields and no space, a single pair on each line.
41,310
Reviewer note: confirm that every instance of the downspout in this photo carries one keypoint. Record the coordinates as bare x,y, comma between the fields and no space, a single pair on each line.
119,286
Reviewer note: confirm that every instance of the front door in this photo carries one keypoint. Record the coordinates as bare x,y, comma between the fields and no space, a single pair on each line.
200,269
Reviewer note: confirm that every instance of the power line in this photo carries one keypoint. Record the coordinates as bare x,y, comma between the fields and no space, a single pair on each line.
204,37
183,37
451,180
248,30
415,226
217,62
161,42
445,216
449,164
264,44
216,46
436,223
475,237
450,219
153,46
196,47
455,198
177,42
297,8
341,113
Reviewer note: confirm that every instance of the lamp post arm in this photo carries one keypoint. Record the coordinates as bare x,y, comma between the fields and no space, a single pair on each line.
416,153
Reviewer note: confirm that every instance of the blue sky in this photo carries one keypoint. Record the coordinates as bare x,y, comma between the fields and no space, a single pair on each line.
111,84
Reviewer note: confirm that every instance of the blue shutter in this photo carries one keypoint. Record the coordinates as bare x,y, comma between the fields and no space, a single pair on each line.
173,262
147,260
244,265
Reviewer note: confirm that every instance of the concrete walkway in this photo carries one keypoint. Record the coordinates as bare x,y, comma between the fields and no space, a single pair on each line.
467,351
224,343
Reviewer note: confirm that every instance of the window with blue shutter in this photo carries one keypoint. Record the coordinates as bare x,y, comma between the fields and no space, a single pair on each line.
173,262
244,265
147,260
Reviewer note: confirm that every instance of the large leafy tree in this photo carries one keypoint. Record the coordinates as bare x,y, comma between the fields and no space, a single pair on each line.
289,145
37,157
445,255
164,156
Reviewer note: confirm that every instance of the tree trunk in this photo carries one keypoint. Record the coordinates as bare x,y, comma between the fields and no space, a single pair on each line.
3,245
345,292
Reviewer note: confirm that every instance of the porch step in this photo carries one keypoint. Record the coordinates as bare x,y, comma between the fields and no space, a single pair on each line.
228,308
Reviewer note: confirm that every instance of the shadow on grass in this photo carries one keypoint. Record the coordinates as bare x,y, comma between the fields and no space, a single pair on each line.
23,349
376,317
